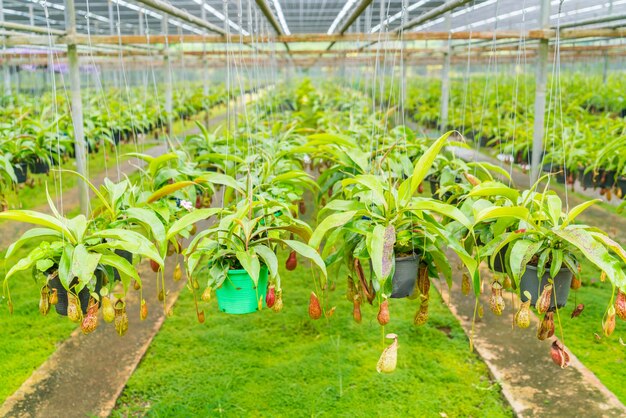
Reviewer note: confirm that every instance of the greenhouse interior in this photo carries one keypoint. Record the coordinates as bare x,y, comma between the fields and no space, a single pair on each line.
362,199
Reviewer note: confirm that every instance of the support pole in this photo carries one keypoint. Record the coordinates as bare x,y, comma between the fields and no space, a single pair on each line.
205,78
6,70
540,94
116,82
605,60
169,99
80,147
445,82
405,18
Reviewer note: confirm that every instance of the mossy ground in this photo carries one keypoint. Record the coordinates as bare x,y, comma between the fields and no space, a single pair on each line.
285,364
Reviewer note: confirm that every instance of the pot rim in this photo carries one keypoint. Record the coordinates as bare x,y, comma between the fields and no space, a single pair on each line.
243,271
530,266
414,256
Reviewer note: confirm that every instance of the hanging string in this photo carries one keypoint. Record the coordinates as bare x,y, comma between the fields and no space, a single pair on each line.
55,108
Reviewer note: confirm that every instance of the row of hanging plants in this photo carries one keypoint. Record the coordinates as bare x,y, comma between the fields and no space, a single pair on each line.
377,228
585,126
38,133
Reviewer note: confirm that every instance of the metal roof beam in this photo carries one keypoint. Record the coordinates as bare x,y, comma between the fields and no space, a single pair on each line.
592,21
355,15
30,28
432,14
269,15
182,14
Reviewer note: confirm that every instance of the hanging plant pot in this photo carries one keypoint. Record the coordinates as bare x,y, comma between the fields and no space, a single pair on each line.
238,295
117,136
560,172
21,172
39,166
586,179
499,260
405,276
83,295
607,178
560,291
128,256
435,185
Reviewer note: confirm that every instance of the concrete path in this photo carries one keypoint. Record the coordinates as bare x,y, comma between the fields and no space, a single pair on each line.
87,373
521,364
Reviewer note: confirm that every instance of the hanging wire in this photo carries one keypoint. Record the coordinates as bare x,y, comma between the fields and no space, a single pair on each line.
55,107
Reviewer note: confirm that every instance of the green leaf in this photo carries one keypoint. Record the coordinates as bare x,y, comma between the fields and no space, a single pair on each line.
44,264
554,206
26,262
333,139
375,244
333,221
156,162
373,184
493,189
440,208
190,219
78,226
84,263
577,210
130,241
518,254
250,263
65,266
557,262
169,189
617,249
35,234
222,179
516,212
149,220
596,253
269,258
38,218
409,186
126,270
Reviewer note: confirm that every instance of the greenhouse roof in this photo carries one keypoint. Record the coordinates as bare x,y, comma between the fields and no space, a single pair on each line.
103,17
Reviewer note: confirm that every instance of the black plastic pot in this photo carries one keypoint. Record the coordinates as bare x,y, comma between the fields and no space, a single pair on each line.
607,178
434,189
499,260
128,256
558,170
405,276
586,179
83,295
117,136
21,172
560,291
39,166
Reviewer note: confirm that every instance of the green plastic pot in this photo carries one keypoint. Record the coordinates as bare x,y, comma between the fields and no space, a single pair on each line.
238,295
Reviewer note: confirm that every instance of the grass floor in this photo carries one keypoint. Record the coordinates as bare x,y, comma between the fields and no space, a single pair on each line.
284,364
